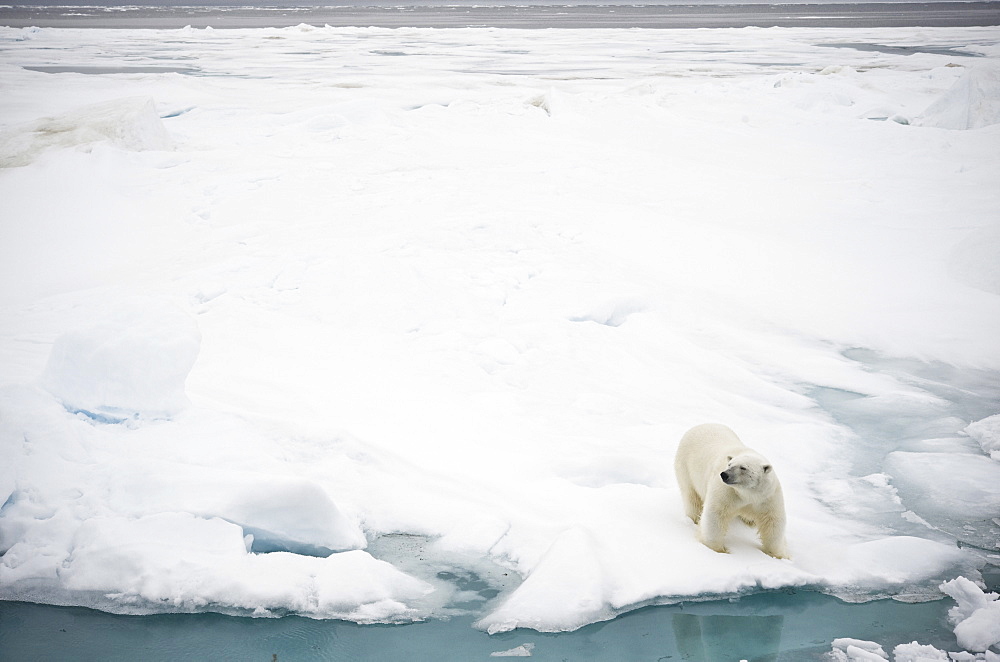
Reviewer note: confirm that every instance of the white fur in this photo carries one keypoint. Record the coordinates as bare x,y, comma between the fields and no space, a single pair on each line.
753,494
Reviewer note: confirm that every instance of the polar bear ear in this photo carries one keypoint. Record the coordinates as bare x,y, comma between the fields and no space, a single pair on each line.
729,458
767,467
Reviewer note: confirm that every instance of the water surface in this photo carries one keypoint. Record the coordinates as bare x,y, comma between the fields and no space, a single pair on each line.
781,626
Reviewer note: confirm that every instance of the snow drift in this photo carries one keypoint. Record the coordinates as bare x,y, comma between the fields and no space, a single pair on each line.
129,123
131,365
972,102
987,433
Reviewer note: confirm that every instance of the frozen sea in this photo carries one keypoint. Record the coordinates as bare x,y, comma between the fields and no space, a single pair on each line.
501,14
317,334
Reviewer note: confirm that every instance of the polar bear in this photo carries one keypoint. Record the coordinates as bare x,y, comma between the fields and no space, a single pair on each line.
720,479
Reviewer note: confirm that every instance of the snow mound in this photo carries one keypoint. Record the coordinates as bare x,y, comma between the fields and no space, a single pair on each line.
976,617
565,591
130,124
971,103
987,433
131,365
851,650
167,532
277,513
186,563
914,652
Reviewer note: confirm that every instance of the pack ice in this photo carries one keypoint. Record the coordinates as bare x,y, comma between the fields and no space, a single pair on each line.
384,325
977,630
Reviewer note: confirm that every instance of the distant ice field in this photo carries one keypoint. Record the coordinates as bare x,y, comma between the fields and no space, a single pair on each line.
533,14
384,325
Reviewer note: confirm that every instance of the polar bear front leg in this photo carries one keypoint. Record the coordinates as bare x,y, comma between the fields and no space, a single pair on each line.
772,537
714,526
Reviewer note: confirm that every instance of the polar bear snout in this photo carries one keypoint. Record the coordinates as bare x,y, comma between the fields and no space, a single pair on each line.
737,474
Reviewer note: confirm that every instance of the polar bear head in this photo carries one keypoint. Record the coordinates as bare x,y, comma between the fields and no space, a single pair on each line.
748,471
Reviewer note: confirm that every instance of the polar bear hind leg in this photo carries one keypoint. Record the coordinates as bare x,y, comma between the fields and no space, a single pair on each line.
693,502
693,505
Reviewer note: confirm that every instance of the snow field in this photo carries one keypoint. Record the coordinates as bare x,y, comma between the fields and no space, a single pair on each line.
470,287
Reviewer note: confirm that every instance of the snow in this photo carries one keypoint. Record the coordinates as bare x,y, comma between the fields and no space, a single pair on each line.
914,652
184,562
987,433
976,617
971,103
567,589
524,650
386,325
132,365
129,124
846,648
